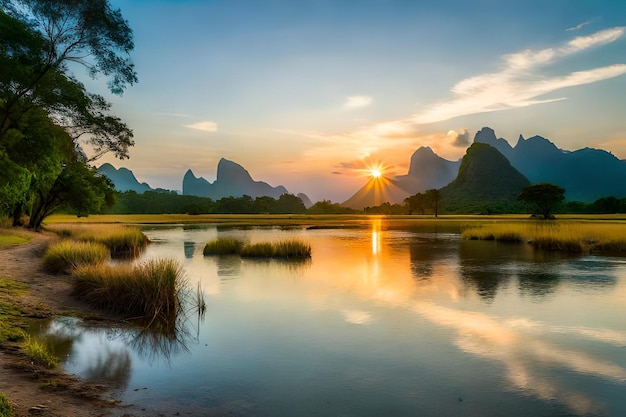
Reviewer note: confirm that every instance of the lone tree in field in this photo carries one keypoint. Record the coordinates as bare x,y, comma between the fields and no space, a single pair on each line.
434,198
544,196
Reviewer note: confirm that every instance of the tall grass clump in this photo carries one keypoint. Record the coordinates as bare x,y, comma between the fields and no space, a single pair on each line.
66,255
580,237
6,406
39,353
284,249
122,241
223,246
150,290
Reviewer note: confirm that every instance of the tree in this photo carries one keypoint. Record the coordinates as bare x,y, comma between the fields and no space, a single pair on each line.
47,115
544,196
416,202
434,198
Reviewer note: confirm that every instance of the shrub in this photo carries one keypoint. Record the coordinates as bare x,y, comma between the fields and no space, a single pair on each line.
67,255
223,246
149,290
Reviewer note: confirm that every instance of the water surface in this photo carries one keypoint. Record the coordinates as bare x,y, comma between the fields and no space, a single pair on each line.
379,322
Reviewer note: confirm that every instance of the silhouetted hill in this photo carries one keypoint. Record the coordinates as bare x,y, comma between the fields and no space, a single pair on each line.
123,179
586,174
427,170
486,179
305,199
232,181
376,192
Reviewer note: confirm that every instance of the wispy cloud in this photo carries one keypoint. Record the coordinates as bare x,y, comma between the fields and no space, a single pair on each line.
206,126
355,102
520,83
578,26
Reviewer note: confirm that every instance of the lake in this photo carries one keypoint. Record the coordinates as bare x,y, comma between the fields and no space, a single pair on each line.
380,322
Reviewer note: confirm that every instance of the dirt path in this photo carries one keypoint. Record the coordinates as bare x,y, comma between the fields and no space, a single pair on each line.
34,390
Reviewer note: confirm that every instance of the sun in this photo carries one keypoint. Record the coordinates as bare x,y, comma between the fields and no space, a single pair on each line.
375,173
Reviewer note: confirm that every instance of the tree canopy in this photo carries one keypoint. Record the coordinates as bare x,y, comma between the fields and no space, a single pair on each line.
51,127
544,196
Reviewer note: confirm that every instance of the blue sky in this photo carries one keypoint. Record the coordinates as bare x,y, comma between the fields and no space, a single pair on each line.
308,93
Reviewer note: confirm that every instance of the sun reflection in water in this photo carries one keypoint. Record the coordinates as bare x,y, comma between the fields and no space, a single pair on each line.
376,234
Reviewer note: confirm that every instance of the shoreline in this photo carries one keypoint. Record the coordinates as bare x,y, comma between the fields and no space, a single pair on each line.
35,390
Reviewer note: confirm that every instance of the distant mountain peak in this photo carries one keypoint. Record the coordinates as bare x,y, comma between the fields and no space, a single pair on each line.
123,178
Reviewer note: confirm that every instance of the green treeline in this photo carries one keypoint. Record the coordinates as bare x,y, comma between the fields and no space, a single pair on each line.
170,202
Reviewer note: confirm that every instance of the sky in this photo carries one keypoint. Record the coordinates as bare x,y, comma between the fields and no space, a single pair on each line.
310,93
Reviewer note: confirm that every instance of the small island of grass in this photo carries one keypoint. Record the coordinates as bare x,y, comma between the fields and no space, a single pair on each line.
289,249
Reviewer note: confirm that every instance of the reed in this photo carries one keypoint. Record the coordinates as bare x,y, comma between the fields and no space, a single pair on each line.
122,241
66,255
223,246
39,353
6,406
580,237
283,249
150,290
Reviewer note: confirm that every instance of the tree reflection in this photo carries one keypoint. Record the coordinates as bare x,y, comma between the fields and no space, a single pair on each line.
426,251
189,248
483,268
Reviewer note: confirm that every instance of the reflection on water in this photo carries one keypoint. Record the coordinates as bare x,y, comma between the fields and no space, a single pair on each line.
379,322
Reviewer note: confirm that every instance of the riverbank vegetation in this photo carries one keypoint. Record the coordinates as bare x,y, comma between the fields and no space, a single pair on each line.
582,237
122,241
66,255
150,291
6,406
223,246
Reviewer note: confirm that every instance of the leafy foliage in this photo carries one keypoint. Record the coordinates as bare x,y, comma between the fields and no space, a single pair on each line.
544,197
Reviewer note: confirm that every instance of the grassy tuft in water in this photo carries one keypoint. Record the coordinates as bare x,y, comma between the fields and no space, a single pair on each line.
284,249
223,246
66,255
40,353
122,241
559,236
6,406
150,290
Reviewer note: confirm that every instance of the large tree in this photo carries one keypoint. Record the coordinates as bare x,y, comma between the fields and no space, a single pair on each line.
544,197
46,111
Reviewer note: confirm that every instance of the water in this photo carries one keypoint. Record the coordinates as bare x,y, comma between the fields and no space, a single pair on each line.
379,322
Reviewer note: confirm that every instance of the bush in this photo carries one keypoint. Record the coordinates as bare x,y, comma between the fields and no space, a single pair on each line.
149,290
66,255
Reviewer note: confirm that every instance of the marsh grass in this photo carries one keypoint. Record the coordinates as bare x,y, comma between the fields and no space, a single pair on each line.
39,353
6,406
122,241
282,249
151,290
582,237
66,255
223,246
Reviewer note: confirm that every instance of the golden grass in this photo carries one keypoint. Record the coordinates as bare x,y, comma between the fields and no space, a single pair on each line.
66,255
223,246
122,241
567,236
282,249
9,238
149,290
6,406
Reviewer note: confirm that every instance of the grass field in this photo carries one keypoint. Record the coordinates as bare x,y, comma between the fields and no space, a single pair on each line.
10,238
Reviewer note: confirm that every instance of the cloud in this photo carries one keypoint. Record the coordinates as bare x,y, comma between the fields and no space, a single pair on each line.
355,102
206,126
460,139
519,83
578,26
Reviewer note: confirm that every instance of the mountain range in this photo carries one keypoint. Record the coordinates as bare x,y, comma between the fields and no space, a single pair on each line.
586,174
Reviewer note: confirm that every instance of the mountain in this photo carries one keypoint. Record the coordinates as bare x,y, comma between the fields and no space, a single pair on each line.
586,174
376,191
486,179
232,181
123,179
305,199
427,171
